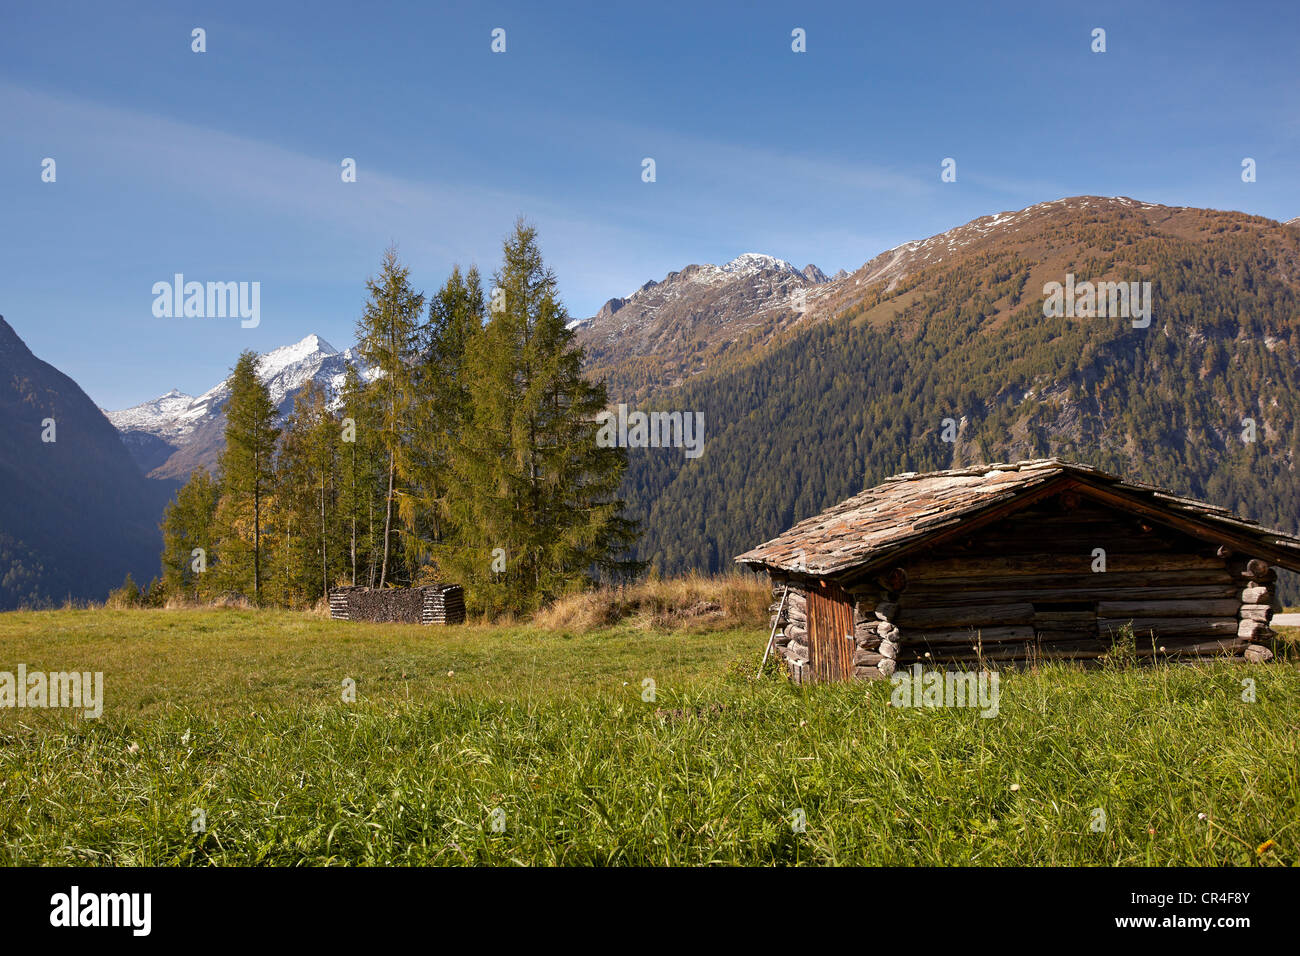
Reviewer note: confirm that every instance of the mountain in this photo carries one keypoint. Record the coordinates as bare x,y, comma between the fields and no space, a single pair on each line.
934,354
705,316
947,338
667,331
75,513
175,433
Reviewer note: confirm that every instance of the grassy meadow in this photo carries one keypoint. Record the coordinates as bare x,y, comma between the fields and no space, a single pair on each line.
531,743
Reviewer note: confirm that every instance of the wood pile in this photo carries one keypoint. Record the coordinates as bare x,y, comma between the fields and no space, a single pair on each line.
791,640
430,604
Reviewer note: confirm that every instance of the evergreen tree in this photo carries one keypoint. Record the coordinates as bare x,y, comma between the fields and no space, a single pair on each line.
188,524
247,476
456,314
308,470
387,341
527,476
127,594
362,476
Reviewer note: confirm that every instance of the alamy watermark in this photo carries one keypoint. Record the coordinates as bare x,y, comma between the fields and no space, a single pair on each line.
623,429
1087,300
920,688
38,690
213,300
130,910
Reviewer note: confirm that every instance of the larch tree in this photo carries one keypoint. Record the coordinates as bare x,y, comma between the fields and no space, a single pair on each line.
533,497
387,340
309,470
187,527
456,314
361,474
247,468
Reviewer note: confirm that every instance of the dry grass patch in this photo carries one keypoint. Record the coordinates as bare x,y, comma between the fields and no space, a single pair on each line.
694,601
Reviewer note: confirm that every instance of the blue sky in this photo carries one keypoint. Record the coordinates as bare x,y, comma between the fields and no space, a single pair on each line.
225,165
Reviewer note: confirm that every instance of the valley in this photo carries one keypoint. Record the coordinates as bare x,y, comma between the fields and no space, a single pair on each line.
815,386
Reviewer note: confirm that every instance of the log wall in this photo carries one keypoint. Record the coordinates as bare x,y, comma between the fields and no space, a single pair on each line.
1032,587
1026,589
790,617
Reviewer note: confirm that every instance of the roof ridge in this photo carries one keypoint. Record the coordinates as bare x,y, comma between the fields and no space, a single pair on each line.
1026,464
906,508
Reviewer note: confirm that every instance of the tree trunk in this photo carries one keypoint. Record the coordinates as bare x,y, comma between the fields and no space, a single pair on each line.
353,508
324,567
388,515
257,536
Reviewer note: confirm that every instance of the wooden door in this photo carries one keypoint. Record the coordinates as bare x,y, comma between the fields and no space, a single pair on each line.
830,633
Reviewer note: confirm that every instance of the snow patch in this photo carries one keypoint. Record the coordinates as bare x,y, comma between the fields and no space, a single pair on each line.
284,370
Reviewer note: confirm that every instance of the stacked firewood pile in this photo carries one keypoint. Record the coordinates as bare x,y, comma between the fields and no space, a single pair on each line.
877,639
431,604
1258,602
791,621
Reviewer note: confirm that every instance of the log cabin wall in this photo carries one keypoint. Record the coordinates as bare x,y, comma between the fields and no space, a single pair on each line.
1258,603
872,651
1026,589
1029,560
875,632
790,618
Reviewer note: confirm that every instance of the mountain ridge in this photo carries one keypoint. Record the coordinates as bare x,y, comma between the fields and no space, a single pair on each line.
668,341
76,515
666,317
171,435
950,336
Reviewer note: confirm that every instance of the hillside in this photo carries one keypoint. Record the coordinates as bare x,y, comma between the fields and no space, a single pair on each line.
75,513
667,331
954,328
702,317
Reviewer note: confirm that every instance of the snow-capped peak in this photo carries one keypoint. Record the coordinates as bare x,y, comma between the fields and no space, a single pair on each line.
756,261
284,370
279,359
151,415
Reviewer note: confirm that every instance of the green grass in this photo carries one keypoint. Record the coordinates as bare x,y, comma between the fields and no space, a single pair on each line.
240,715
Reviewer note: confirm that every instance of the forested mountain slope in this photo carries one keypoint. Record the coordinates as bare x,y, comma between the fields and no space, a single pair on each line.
75,513
830,406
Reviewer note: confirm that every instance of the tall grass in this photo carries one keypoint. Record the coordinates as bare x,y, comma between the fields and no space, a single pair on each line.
654,604
238,714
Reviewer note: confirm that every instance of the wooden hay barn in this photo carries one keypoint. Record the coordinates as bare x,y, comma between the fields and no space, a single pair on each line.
1017,562
432,604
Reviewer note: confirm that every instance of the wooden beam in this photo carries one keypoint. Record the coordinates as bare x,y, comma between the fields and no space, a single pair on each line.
968,615
1117,565
1227,607
1197,529
1099,591
967,636
1168,626
1213,576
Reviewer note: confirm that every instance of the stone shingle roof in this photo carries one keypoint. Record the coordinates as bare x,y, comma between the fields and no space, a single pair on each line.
905,509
